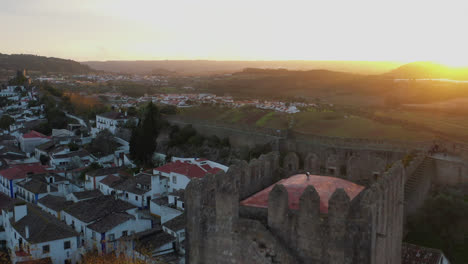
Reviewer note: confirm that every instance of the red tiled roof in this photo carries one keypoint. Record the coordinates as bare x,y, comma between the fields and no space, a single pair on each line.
206,167
213,170
21,171
295,185
34,134
184,168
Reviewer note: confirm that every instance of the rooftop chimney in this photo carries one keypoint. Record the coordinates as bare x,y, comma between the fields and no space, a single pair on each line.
26,232
20,211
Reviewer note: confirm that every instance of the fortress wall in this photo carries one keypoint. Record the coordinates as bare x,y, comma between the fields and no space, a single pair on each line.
388,194
249,136
365,230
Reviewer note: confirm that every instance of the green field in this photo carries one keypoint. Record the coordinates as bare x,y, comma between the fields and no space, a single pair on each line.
311,122
438,122
335,124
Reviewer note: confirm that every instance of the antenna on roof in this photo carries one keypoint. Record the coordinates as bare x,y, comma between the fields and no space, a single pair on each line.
307,175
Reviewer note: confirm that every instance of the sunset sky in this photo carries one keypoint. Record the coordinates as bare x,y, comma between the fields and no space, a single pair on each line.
396,30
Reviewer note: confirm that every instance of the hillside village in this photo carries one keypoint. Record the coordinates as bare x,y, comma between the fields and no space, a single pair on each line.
59,201
186,96
72,186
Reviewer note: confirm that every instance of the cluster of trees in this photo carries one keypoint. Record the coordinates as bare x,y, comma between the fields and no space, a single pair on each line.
6,121
20,79
103,144
443,223
93,166
144,135
189,136
56,118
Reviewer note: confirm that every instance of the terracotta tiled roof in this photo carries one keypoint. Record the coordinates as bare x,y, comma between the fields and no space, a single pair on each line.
21,171
34,134
295,185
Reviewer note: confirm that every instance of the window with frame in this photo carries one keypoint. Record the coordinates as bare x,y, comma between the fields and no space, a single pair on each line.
111,237
126,195
136,197
124,233
45,249
174,179
66,245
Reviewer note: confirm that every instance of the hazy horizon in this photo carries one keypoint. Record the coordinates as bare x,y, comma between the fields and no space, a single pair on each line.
263,30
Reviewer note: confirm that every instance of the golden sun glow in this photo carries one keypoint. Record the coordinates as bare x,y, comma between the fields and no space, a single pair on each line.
359,30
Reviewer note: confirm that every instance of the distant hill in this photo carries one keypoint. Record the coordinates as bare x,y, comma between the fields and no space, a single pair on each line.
41,63
206,67
283,83
428,70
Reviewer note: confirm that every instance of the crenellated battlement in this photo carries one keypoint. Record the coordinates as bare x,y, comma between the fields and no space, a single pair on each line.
340,228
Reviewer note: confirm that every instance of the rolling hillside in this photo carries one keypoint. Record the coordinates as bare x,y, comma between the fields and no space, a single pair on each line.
428,70
42,64
207,67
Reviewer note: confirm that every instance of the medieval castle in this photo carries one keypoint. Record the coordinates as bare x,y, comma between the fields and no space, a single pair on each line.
276,209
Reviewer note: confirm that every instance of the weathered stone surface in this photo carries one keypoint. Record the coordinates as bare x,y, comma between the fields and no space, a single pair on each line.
364,230
291,163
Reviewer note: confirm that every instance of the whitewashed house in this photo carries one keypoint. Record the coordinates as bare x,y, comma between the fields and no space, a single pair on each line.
83,195
10,176
92,178
29,141
149,246
66,159
180,171
161,208
110,121
53,204
176,228
31,190
135,190
106,184
33,234
107,231
87,212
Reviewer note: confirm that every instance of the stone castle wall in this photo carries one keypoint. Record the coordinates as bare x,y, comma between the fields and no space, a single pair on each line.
365,230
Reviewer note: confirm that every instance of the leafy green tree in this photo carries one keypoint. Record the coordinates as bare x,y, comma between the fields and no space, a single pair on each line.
6,121
44,159
441,223
104,143
143,139
73,146
169,110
